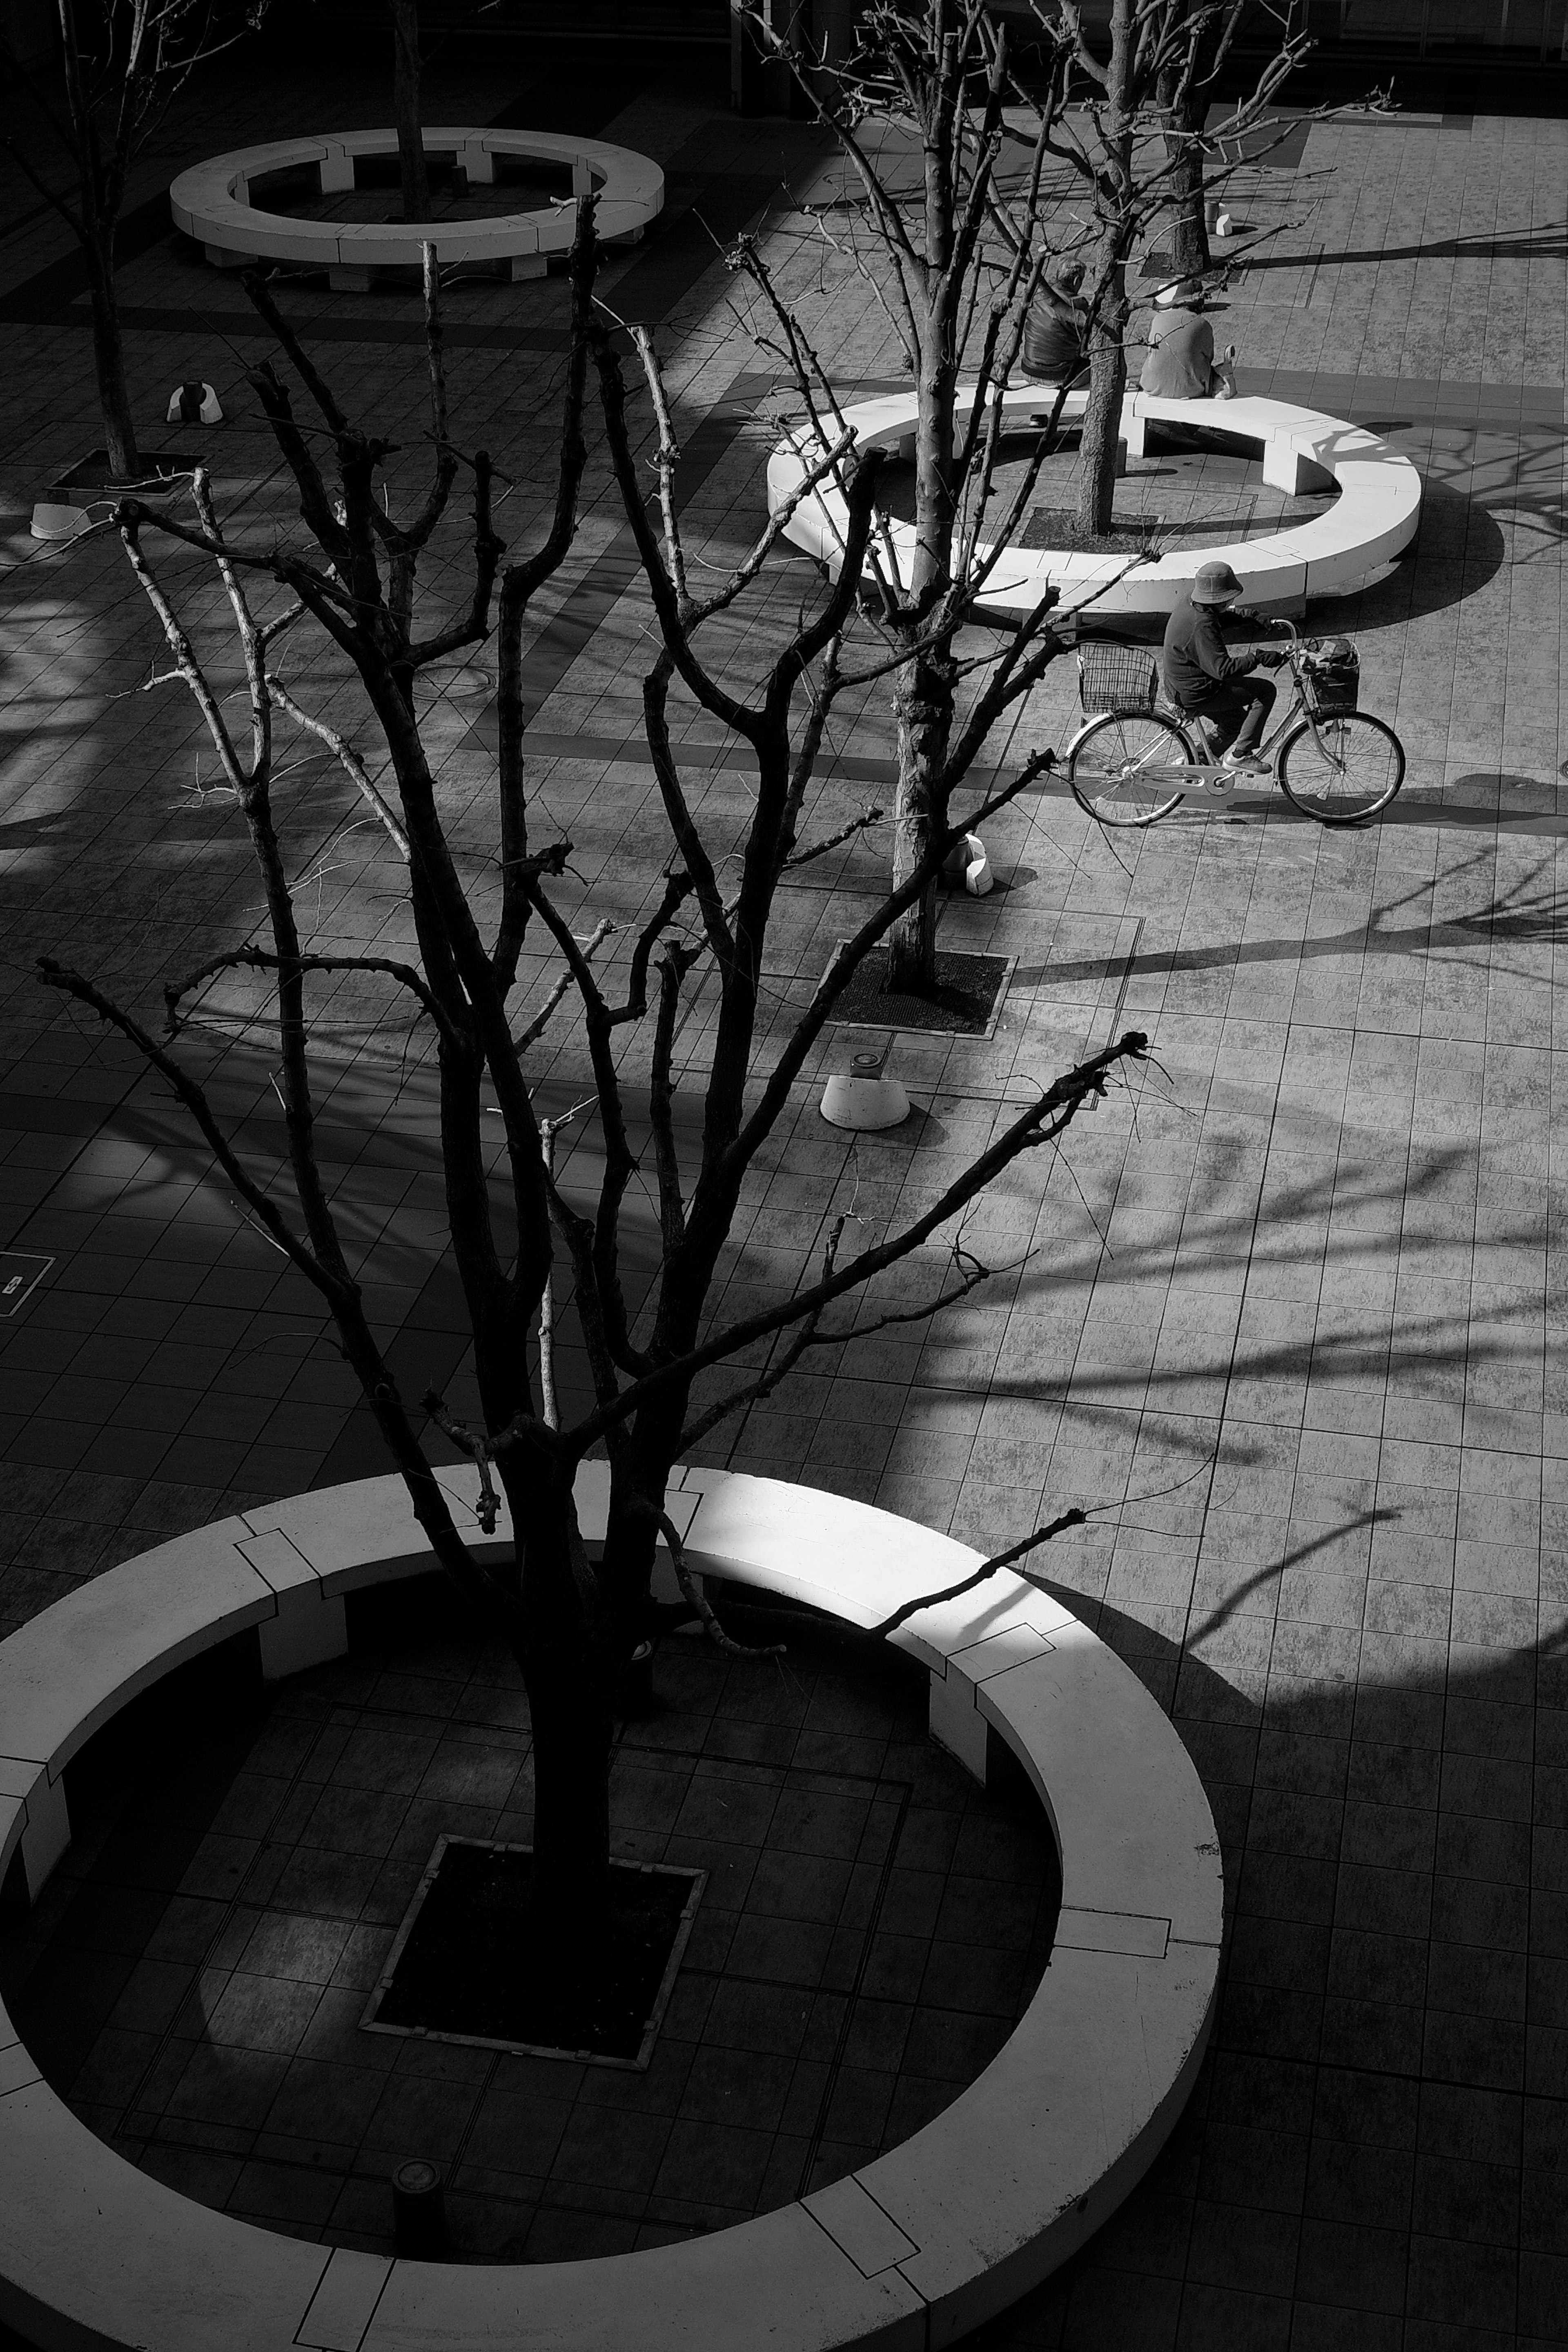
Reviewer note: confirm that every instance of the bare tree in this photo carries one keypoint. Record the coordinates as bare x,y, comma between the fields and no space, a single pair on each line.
692,1123
1188,89
946,238
405,70
123,61
1121,111
971,170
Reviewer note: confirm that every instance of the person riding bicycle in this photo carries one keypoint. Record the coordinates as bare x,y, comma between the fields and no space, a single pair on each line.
1206,682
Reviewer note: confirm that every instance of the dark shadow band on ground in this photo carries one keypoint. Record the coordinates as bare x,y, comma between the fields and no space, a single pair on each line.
1374,2153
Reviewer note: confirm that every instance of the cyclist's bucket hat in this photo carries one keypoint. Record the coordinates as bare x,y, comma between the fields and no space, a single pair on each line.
1215,583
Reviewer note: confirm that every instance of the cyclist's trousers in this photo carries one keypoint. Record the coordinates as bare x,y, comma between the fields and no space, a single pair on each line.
1236,713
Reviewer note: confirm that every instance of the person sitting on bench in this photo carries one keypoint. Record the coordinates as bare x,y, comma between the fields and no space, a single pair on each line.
1206,682
1054,332
1181,364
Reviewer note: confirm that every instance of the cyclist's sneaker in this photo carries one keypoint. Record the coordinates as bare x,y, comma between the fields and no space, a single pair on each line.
1241,760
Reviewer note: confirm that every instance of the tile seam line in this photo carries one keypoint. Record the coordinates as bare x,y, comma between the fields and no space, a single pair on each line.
1287,1024
852,1998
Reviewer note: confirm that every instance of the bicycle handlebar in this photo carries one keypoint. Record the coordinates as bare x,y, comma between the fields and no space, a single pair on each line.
1301,650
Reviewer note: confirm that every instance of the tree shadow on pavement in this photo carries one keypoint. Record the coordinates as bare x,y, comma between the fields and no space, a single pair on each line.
1374,2153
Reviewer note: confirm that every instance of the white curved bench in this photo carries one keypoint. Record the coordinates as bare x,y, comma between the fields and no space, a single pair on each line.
211,202
915,2248
1347,547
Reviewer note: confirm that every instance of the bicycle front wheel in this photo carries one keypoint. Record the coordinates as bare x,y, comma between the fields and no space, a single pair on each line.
1129,767
1346,771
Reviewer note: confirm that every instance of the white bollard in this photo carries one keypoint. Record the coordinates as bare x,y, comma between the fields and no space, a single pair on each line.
862,1099
58,522
967,863
193,402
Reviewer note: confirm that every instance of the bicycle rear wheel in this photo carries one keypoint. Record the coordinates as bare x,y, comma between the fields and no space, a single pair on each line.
1347,772
1123,767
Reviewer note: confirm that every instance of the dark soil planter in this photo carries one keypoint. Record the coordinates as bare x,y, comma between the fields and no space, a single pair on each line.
966,1002
1057,529
465,1964
90,481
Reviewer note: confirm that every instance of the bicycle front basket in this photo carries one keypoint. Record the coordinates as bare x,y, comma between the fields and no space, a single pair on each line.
1114,675
1332,690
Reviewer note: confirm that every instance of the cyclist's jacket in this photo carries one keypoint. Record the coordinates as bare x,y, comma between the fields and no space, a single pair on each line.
1193,662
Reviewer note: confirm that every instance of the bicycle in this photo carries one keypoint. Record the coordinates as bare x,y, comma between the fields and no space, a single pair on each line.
1137,759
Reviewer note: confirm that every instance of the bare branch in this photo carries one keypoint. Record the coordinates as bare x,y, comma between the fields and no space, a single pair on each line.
193,1097
860,824
697,1600
520,582
475,1445
1041,1122
673,966
260,297
348,758
266,960
752,1391
549,1129
541,1020
901,1616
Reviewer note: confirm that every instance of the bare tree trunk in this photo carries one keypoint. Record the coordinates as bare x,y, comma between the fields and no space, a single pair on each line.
571,1707
1115,186
924,705
922,700
1107,384
108,356
1190,254
406,109
570,1671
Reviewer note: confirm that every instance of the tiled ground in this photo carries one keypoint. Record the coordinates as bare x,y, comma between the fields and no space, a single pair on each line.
871,1924
1184,496
1292,1326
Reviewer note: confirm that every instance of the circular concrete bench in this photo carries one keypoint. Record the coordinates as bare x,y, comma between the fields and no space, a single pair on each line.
211,202
1347,547
911,2250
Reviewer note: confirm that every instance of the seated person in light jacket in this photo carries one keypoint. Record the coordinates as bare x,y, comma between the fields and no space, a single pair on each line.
1181,364
1205,682
1054,332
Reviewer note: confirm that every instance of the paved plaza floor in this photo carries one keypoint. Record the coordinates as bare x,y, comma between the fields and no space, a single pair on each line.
1291,1328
